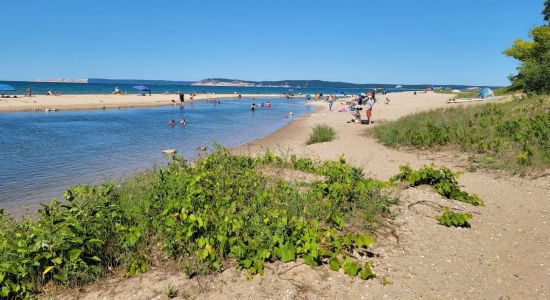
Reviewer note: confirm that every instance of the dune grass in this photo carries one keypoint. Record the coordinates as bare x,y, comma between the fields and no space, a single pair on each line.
513,134
320,134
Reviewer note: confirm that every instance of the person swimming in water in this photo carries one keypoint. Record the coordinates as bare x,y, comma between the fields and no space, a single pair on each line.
253,107
268,104
172,123
182,121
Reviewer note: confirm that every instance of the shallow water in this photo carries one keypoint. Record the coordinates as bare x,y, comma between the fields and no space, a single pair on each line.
44,154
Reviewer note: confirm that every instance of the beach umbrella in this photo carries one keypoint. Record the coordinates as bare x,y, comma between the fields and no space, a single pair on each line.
6,88
142,88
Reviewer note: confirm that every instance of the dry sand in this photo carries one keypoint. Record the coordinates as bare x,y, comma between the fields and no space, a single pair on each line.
505,255
103,101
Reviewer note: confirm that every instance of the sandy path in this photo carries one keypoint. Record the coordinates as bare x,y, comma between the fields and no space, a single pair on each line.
103,101
505,255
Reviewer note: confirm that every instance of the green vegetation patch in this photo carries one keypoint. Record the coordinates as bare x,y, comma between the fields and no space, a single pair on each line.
216,212
443,180
321,134
513,134
450,218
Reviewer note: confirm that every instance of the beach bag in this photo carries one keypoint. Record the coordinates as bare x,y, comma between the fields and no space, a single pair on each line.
365,122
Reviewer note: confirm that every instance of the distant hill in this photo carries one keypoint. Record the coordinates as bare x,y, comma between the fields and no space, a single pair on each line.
61,80
287,83
138,81
311,84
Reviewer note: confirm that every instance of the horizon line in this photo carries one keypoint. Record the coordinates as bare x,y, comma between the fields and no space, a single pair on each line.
41,80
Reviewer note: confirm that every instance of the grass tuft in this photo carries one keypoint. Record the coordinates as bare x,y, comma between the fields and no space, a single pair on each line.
321,134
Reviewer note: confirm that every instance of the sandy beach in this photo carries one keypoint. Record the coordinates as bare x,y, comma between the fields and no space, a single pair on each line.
102,101
503,256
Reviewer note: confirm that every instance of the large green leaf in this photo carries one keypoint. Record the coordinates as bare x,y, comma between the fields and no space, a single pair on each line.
5,291
366,272
334,264
74,254
48,269
310,260
287,252
351,268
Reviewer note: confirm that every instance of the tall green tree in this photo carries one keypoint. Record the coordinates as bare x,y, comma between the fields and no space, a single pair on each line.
546,11
534,56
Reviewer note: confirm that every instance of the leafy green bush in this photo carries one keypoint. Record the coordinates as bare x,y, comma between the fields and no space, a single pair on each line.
443,180
450,218
516,134
223,207
70,242
321,134
218,209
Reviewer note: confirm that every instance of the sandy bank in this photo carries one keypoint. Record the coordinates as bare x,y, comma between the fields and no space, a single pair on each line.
422,258
102,101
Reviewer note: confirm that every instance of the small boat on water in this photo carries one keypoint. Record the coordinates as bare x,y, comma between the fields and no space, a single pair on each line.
398,86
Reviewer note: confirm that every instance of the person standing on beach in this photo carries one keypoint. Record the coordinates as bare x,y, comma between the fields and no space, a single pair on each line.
330,102
368,108
29,92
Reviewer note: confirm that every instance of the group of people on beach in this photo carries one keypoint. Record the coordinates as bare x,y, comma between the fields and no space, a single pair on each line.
254,105
366,102
362,102
50,93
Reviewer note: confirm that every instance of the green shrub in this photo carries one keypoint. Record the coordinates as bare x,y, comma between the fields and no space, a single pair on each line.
515,134
443,180
220,208
73,242
321,134
450,218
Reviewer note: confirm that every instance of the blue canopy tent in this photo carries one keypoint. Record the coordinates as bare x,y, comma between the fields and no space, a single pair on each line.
485,93
142,89
6,88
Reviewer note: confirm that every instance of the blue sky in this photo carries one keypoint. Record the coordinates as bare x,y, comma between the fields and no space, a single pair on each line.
368,41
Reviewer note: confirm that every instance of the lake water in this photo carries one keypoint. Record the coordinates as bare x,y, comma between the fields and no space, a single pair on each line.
44,154
41,88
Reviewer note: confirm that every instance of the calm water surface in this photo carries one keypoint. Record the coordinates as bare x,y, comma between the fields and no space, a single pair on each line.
44,154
